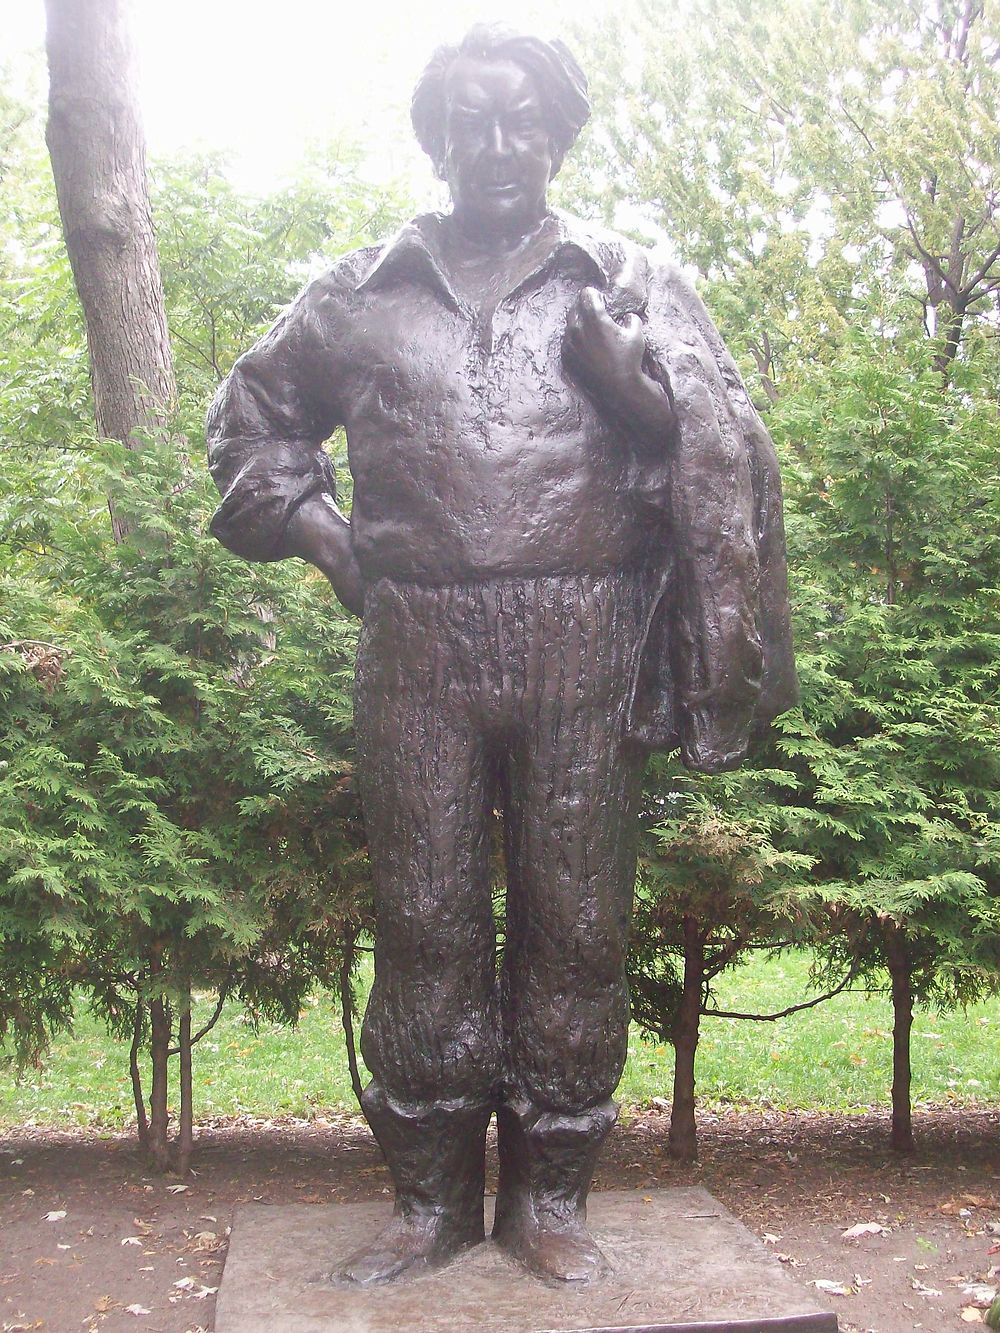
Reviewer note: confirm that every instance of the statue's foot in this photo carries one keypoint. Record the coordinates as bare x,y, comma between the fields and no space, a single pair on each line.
408,1245
562,1251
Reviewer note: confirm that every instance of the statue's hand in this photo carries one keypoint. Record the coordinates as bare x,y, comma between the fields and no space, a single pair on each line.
605,354
319,533
609,358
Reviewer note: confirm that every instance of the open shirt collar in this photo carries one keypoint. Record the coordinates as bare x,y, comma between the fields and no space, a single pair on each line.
414,255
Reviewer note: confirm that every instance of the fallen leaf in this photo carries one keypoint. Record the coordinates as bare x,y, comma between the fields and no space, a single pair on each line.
864,1229
177,1189
56,1215
832,1288
980,1294
137,1310
918,1286
103,1304
131,1240
970,1315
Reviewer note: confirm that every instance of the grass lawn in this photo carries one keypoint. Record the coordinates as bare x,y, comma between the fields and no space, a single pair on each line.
836,1056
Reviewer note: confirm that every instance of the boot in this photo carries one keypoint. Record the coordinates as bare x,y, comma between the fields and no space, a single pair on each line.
436,1154
547,1161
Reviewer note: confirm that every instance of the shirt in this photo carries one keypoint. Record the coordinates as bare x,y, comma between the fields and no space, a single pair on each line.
475,453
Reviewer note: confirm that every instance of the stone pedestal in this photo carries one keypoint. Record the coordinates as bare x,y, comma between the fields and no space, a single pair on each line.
682,1264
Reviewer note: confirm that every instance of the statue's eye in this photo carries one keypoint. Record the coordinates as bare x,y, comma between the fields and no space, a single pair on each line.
526,122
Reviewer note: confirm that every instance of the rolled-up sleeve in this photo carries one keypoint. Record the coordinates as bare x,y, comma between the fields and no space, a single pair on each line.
266,427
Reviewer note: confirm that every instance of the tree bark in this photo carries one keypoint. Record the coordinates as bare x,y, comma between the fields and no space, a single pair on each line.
951,341
141,1120
185,1133
683,1138
347,1013
98,152
159,1042
900,973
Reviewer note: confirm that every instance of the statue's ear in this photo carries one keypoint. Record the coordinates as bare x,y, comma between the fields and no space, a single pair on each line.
558,155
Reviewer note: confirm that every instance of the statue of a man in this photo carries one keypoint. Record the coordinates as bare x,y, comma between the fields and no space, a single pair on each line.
566,547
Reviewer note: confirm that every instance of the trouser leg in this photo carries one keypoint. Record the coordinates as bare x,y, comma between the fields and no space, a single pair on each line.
430,1034
571,797
571,793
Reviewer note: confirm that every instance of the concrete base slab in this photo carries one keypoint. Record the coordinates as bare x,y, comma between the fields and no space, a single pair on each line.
682,1264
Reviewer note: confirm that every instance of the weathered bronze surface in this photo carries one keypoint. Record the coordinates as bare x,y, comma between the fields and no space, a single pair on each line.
566,546
681,1264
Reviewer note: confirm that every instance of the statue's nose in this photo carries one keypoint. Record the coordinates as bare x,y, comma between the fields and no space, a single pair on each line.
498,138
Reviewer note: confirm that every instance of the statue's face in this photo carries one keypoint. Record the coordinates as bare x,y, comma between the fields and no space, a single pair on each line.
498,158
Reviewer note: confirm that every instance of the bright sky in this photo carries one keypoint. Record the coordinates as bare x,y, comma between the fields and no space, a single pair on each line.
263,80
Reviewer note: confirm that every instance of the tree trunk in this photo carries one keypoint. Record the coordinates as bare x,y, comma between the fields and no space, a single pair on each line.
347,1014
159,1043
683,1138
945,358
141,1121
185,1133
900,972
98,152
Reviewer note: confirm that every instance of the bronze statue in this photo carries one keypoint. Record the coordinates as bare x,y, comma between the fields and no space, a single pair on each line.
566,547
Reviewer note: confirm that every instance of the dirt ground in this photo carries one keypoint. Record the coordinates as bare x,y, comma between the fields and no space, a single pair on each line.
90,1240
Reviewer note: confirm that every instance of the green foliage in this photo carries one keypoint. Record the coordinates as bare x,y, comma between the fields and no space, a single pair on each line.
709,861
805,158
830,175
176,798
177,804
230,262
896,544
176,766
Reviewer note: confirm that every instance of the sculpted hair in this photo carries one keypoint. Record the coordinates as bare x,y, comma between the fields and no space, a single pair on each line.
561,83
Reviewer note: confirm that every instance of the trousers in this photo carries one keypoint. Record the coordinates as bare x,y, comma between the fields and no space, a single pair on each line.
493,715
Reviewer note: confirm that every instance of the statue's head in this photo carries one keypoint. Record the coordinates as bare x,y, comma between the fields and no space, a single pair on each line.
497,115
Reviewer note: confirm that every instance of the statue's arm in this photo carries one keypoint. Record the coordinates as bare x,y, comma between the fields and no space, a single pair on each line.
265,431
